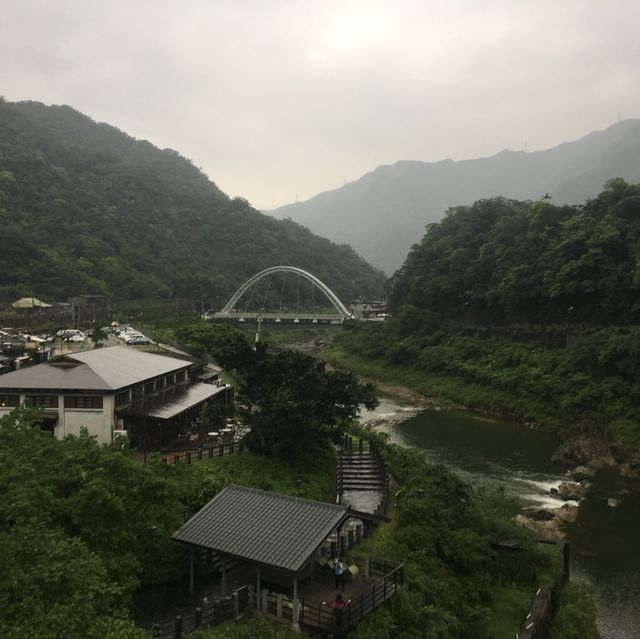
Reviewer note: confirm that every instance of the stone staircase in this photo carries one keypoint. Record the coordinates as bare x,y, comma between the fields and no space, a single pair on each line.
361,470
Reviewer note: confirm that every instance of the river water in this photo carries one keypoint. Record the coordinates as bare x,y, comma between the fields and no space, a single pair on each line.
605,541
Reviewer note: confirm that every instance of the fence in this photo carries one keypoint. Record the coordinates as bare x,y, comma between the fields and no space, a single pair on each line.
545,602
277,605
203,452
207,615
321,616
536,625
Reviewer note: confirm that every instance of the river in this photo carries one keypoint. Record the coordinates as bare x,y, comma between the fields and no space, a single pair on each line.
605,541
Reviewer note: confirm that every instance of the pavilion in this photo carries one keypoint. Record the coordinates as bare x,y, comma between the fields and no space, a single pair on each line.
278,534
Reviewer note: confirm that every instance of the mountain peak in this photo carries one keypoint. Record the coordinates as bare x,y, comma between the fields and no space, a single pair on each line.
384,212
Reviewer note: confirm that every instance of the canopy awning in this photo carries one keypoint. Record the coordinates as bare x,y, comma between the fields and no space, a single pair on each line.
184,400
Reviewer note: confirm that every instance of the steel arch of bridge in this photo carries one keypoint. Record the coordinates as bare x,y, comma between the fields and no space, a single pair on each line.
329,294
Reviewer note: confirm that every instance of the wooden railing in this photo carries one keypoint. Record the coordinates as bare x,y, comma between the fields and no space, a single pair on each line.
203,452
211,614
321,616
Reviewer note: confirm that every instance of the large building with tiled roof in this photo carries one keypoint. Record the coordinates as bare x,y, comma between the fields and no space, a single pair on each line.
109,390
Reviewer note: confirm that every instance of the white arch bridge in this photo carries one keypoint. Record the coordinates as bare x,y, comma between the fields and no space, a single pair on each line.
231,312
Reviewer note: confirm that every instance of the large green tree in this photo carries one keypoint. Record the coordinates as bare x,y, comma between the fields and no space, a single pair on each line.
81,527
290,400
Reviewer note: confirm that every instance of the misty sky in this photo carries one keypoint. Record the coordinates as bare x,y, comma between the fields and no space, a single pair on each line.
278,99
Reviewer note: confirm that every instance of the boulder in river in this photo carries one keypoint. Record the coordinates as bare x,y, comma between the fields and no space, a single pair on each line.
582,451
547,523
567,513
570,491
549,529
629,470
582,472
538,514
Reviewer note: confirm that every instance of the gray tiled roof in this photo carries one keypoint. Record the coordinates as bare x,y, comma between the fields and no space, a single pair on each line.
52,377
100,369
263,527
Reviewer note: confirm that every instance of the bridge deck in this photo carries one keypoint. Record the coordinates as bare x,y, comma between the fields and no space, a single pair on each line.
306,318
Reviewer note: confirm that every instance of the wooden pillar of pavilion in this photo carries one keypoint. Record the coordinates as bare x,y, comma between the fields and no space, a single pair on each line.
296,605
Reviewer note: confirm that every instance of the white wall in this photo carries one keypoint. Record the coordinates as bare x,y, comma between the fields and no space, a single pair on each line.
98,422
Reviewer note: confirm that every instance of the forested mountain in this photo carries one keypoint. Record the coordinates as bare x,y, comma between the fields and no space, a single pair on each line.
86,209
489,270
501,260
383,213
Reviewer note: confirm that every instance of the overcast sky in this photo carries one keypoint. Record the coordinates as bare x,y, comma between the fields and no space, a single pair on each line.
278,99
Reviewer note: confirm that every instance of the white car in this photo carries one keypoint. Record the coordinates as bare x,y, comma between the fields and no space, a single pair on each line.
129,336
76,337
126,331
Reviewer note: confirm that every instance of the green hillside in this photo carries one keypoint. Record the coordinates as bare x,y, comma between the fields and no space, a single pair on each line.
506,261
525,309
87,209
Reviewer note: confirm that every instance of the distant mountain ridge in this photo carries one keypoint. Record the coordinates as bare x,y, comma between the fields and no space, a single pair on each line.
384,212
87,209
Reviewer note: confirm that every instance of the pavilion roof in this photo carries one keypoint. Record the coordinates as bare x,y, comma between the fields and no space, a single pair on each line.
262,527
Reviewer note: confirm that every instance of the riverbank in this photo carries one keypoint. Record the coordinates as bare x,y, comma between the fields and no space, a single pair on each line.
547,514
503,458
587,445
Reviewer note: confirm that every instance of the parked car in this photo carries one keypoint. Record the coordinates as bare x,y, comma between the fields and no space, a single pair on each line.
129,336
137,341
126,331
71,335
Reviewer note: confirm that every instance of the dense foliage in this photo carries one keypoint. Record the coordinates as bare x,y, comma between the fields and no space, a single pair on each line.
442,531
83,526
499,260
593,386
498,267
86,209
289,399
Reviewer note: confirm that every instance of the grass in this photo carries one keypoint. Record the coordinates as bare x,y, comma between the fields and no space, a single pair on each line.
250,627
311,476
510,605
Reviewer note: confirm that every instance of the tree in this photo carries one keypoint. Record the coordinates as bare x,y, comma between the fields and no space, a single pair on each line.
228,346
99,336
289,399
81,527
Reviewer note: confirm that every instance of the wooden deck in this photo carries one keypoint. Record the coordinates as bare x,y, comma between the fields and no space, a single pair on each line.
364,594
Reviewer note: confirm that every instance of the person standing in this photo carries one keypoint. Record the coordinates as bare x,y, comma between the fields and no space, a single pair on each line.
338,573
338,605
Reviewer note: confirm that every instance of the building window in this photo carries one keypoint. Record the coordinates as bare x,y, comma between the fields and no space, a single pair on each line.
88,401
42,401
9,400
160,384
122,398
180,377
171,380
148,388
